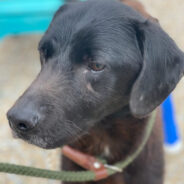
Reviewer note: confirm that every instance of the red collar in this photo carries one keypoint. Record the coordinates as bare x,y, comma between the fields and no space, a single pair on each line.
86,161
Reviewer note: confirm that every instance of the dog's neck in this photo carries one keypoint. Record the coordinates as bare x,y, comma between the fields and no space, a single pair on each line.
122,113
114,137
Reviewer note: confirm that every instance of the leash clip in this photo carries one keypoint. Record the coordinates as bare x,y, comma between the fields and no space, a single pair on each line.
114,168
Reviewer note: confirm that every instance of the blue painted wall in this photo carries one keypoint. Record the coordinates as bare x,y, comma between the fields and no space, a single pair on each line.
23,17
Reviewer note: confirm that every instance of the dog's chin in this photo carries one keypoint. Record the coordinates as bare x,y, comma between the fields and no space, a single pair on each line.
44,142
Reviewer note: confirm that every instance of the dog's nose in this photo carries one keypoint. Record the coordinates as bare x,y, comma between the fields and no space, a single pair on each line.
23,120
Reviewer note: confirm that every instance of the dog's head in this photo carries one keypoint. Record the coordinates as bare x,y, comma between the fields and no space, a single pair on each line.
97,57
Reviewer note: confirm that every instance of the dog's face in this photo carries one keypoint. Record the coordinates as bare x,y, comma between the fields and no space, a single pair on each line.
97,57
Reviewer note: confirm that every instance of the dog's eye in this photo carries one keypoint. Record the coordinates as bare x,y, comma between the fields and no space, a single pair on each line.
96,67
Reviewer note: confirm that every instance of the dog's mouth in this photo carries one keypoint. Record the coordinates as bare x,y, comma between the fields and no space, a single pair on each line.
48,141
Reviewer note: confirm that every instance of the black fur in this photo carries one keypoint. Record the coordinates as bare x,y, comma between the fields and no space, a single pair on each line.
143,65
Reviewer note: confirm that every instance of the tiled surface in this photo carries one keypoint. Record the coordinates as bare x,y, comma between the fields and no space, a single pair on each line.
19,64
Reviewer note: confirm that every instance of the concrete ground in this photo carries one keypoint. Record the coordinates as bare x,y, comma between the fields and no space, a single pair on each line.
19,64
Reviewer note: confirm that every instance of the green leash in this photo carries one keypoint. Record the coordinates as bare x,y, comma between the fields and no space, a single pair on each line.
80,176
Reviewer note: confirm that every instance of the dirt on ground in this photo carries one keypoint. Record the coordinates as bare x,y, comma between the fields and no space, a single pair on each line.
19,64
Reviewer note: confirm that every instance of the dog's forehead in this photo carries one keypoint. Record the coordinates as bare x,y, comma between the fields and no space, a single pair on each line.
73,16
96,25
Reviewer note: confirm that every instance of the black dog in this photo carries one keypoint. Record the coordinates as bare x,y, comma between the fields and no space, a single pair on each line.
104,68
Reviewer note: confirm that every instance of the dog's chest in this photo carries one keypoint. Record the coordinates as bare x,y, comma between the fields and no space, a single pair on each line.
112,140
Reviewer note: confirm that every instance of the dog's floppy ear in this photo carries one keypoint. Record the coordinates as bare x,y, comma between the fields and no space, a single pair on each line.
163,66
